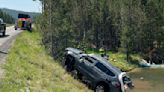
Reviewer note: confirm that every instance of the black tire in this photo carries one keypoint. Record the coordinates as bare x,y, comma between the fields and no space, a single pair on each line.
29,28
66,68
69,63
15,28
4,33
75,74
101,88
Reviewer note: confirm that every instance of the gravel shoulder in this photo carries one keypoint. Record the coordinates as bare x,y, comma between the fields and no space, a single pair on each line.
5,44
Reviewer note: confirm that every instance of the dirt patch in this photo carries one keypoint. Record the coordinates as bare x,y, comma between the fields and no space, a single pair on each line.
147,80
141,86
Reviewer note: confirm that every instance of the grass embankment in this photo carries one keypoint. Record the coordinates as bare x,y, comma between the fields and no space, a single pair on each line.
30,68
118,59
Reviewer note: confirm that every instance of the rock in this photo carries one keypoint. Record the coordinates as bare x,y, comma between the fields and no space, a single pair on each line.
141,78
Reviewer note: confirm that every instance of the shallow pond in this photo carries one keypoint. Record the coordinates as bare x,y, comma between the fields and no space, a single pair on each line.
148,80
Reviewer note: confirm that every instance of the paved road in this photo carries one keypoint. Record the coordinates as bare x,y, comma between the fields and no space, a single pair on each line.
10,32
5,44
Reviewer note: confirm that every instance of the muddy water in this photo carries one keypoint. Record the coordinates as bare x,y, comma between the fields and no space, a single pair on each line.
148,80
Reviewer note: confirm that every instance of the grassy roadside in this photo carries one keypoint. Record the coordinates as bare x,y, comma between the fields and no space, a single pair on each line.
119,59
30,69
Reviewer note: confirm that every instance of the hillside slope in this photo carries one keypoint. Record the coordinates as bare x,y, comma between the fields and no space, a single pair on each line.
30,69
14,13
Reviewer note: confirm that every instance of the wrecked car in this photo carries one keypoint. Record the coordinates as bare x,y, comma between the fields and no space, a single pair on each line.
96,71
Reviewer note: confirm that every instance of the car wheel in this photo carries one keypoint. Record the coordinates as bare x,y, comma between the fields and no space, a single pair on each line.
68,68
101,88
15,28
4,33
75,74
29,28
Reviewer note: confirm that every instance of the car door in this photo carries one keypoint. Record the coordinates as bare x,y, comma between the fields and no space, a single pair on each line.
87,68
103,71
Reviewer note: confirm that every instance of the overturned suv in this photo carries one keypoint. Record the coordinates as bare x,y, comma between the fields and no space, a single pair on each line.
95,71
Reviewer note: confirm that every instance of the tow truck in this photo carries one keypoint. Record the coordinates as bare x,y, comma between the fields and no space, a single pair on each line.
23,22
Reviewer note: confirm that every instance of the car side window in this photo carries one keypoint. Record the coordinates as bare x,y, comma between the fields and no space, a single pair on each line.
87,61
104,69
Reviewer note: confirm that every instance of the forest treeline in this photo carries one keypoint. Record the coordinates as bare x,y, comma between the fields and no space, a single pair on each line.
6,17
131,25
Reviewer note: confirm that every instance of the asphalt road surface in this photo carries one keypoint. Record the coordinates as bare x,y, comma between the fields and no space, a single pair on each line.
5,44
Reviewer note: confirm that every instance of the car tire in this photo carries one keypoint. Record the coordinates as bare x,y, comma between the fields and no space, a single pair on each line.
69,65
75,74
29,28
101,88
67,68
4,33
15,28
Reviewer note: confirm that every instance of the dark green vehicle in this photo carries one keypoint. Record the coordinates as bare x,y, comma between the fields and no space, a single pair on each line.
2,27
96,71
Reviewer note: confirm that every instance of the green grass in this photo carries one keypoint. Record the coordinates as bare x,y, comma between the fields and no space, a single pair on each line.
30,68
119,59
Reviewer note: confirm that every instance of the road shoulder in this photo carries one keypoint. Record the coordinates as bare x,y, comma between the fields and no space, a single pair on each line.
4,49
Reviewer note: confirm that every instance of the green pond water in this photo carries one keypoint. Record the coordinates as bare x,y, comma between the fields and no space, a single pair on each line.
148,80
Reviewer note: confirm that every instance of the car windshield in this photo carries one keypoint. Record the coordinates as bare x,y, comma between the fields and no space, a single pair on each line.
23,16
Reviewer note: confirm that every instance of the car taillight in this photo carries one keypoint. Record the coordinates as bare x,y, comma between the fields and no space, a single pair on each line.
116,84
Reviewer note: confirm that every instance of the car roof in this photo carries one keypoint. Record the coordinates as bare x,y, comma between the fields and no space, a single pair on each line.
106,63
98,58
77,51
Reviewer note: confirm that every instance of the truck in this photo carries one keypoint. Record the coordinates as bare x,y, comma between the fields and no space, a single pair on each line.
2,27
24,22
